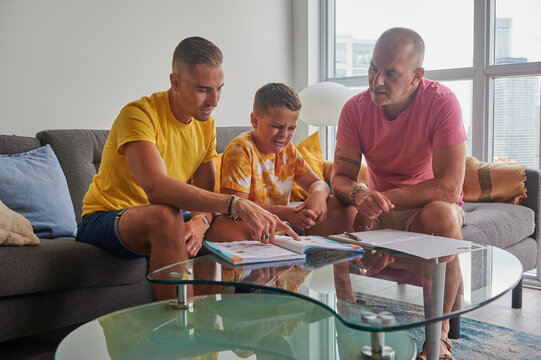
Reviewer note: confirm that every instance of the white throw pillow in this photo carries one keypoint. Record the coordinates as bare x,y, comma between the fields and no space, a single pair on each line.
15,229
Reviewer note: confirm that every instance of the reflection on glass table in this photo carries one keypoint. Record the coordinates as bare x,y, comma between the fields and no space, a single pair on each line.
415,291
227,326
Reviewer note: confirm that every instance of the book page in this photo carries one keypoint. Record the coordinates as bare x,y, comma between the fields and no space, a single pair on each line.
249,251
310,242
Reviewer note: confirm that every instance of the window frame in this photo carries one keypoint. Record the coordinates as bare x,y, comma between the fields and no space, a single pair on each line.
482,73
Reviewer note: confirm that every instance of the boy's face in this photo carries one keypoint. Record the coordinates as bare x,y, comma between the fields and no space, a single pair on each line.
274,129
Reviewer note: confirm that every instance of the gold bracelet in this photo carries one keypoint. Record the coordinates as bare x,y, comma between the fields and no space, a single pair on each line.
355,190
234,215
229,202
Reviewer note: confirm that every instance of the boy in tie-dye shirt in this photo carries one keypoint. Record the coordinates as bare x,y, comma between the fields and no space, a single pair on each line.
261,165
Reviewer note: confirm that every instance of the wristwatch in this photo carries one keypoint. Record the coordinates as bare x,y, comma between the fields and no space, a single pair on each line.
356,188
204,218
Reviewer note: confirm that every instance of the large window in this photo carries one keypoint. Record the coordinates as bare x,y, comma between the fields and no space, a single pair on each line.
487,51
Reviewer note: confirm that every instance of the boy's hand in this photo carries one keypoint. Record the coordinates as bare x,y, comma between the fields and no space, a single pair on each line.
317,202
302,218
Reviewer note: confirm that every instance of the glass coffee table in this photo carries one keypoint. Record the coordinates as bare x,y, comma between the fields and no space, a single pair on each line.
223,326
360,292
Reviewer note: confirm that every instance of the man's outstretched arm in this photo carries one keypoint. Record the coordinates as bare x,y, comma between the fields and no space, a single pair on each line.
149,170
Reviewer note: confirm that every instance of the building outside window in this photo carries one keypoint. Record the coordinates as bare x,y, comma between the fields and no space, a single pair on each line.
492,63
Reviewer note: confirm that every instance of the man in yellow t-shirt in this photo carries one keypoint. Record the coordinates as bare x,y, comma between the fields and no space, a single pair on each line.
262,165
158,143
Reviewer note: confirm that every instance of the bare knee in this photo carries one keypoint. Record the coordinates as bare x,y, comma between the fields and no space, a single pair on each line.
142,227
164,223
439,218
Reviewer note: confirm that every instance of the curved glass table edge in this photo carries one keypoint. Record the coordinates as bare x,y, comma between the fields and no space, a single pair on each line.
365,327
400,338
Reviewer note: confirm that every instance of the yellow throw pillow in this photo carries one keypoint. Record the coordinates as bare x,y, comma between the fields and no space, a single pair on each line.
218,164
310,149
493,182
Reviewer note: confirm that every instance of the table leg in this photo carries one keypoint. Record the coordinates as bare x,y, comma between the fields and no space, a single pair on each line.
434,307
181,302
433,334
378,350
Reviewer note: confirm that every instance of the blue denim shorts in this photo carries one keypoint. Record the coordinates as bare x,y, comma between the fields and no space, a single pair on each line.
101,229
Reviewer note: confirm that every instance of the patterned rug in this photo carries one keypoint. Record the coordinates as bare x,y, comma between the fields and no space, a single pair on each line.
478,340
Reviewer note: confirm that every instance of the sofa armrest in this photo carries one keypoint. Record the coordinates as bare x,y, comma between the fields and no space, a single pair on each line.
533,200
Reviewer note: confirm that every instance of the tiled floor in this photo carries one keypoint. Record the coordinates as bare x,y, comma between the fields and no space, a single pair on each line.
501,313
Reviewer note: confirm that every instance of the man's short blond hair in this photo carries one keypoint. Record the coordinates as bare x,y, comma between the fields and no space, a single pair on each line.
194,51
276,94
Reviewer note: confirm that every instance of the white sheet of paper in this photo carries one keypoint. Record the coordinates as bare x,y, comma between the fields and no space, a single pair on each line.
421,245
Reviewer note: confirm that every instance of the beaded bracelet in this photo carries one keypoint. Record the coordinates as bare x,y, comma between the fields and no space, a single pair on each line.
229,202
355,190
232,208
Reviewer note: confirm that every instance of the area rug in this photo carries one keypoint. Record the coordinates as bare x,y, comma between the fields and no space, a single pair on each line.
478,340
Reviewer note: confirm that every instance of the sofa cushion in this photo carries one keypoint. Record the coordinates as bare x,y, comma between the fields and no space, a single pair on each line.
497,224
34,185
63,263
310,149
79,153
224,135
13,144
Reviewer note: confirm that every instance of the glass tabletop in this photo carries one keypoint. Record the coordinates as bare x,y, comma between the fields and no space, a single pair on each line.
375,291
239,326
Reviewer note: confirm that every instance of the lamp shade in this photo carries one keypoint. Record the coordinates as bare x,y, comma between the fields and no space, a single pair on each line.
323,102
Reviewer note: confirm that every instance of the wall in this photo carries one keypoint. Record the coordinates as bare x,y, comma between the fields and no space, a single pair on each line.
75,63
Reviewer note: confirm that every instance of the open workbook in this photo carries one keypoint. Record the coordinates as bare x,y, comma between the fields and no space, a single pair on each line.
284,248
416,244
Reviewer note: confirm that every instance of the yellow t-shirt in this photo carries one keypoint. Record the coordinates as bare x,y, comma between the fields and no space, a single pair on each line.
183,148
266,178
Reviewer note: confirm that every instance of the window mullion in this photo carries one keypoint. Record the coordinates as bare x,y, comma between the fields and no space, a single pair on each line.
481,124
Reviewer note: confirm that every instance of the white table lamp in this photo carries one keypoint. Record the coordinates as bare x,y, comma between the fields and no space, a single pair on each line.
322,103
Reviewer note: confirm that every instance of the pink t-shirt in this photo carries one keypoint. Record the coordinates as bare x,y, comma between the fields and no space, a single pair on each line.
399,152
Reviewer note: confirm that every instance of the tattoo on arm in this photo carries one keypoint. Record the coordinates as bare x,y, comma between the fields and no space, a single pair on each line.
349,161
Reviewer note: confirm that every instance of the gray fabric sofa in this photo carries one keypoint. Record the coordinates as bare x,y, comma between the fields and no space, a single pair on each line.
61,282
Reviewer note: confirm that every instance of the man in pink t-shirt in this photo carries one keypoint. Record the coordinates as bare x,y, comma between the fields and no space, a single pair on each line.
411,135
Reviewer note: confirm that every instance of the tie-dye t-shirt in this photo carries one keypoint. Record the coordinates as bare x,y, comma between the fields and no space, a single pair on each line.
266,178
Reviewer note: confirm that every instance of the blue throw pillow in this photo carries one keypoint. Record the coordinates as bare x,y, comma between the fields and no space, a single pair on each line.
33,184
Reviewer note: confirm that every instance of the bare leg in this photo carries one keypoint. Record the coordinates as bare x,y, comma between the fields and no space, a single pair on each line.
157,230
224,229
